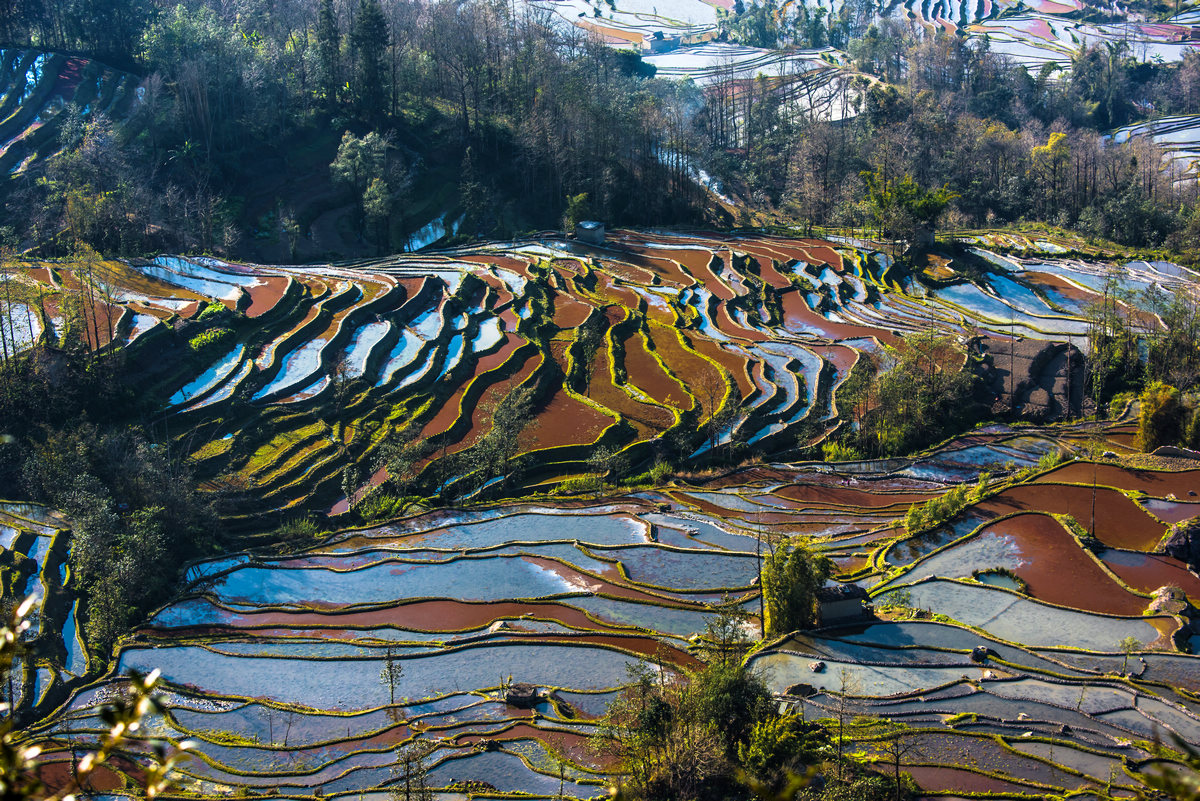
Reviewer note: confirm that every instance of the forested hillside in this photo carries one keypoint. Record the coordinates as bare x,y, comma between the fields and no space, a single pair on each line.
284,132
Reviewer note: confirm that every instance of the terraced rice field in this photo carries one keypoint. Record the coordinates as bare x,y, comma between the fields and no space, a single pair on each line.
275,664
1178,136
35,90
1030,33
321,363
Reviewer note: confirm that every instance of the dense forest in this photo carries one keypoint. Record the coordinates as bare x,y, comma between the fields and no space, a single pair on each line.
491,113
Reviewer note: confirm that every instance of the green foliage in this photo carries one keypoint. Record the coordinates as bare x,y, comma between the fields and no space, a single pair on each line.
1127,646
922,517
923,398
1161,416
901,207
1192,435
359,160
901,597
1118,403
299,531
576,485
381,505
791,576
206,342
329,64
676,737
605,462
835,451
377,206
577,211
212,311
136,518
369,39
1172,780
1114,354
401,454
777,748
654,477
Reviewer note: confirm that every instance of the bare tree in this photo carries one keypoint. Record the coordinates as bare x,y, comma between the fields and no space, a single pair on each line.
390,674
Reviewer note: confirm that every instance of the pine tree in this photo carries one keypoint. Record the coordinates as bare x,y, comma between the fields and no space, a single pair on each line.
370,40
329,52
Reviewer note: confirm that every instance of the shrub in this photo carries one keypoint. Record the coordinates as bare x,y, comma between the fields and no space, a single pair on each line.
1160,419
381,505
1119,402
212,310
922,517
298,530
576,485
209,340
839,452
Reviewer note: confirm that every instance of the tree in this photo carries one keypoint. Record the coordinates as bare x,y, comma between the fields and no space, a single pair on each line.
924,396
775,750
369,37
576,212
390,674
727,632
1113,350
510,418
358,165
1050,160
401,454
1129,645
791,576
136,518
412,772
903,209
897,746
588,339
603,462
19,767
377,209
850,686
329,53
676,736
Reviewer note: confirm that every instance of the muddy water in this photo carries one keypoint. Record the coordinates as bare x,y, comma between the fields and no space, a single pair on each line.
1118,521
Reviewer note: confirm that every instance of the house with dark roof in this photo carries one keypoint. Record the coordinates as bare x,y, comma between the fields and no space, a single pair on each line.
841,603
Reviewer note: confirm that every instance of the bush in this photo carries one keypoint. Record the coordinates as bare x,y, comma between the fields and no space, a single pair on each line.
212,311
298,530
576,485
838,452
381,505
1160,419
779,746
1118,403
922,517
210,340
